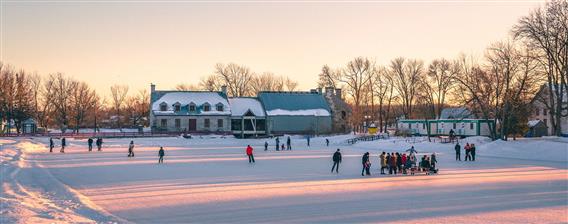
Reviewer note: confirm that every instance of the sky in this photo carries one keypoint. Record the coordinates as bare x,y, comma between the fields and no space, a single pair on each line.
136,43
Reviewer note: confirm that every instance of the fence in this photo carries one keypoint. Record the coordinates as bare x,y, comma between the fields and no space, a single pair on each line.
366,138
112,134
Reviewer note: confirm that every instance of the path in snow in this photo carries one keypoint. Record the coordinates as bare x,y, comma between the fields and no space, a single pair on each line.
211,181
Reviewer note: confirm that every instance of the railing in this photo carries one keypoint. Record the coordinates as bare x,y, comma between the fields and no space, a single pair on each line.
114,134
366,138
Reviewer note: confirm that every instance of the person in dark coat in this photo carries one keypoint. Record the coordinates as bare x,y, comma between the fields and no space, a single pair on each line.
63,143
249,154
336,161
283,148
392,164
366,165
425,164
90,143
398,162
265,146
472,152
277,144
289,143
433,161
161,155
308,141
327,142
51,144
131,149
388,157
458,152
99,144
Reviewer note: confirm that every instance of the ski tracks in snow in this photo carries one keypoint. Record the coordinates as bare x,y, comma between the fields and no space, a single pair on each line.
30,194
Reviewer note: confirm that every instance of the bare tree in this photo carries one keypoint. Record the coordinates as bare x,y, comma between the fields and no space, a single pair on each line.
267,81
82,104
441,79
328,77
210,83
118,93
63,88
547,29
187,87
356,76
407,75
138,108
236,77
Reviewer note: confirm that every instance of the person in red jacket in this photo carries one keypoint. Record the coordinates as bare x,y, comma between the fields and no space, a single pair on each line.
249,154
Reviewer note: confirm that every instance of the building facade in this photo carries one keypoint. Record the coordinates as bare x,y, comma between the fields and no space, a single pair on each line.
541,112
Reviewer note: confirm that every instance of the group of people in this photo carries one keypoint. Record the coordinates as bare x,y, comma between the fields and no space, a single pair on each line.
469,152
394,162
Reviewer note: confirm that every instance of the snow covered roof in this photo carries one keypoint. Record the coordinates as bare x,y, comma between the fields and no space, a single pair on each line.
294,104
241,105
309,112
184,98
456,113
533,123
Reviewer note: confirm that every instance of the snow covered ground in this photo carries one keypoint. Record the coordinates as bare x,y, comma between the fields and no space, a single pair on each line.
209,180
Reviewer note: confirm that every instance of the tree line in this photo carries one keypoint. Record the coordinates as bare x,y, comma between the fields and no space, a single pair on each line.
499,86
59,101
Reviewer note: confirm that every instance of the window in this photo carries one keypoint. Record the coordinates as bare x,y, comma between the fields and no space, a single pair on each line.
409,126
178,123
191,107
236,124
537,111
454,125
220,123
163,107
164,123
177,107
544,111
206,123
471,126
206,107
423,125
343,115
545,122
219,107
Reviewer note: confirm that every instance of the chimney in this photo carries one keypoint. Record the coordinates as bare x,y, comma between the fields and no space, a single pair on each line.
329,91
338,93
319,90
224,89
152,88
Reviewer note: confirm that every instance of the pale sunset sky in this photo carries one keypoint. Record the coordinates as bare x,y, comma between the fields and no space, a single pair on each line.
166,43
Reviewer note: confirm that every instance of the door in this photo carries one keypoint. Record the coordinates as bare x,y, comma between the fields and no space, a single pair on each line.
192,124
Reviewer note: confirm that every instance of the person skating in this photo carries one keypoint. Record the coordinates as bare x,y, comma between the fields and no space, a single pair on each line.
467,148
458,152
277,144
288,143
51,144
131,149
472,152
161,154
265,146
383,162
90,143
308,141
99,144
63,143
249,154
366,165
327,142
283,147
425,164
336,161
388,157
411,150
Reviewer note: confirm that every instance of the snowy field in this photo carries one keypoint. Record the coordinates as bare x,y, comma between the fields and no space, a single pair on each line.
209,180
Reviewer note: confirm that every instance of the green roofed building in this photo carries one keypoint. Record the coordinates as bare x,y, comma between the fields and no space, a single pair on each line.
297,112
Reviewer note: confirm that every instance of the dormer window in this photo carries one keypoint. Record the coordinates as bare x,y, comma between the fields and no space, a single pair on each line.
192,107
206,107
177,107
219,107
163,107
